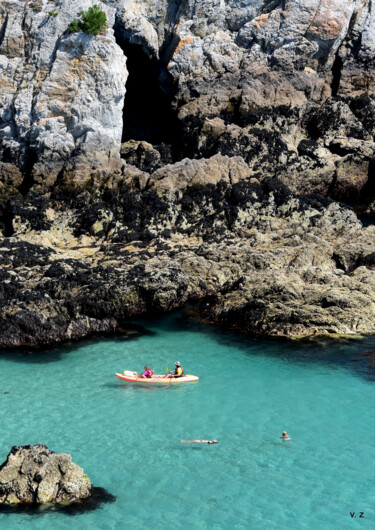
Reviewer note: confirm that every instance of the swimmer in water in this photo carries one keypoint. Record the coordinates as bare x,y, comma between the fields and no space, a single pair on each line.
209,442
285,436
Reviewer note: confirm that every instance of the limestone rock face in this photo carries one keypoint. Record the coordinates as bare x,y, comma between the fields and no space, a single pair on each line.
61,94
36,475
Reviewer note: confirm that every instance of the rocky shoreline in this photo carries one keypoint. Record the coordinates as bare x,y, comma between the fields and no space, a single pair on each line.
220,184
266,262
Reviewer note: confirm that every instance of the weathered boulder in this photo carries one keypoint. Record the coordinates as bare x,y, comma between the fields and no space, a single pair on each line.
141,154
36,475
189,173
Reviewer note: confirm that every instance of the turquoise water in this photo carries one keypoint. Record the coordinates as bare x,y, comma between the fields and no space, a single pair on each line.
127,438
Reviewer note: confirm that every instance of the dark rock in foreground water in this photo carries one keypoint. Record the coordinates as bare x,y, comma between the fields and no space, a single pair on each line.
36,475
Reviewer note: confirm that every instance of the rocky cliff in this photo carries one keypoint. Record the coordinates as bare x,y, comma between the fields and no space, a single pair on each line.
195,152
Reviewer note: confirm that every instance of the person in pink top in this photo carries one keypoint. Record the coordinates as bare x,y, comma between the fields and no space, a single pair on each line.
147,373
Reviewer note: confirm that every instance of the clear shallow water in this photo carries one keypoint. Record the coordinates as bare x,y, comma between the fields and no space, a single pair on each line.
127,438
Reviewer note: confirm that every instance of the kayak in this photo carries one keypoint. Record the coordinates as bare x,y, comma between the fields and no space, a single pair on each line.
159,379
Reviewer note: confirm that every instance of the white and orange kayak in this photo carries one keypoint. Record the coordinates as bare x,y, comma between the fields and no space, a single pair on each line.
156,378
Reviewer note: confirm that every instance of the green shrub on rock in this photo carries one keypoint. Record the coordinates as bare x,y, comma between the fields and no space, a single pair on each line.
74,26
94,21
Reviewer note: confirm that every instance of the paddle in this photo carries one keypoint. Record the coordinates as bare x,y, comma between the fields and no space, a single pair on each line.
166,369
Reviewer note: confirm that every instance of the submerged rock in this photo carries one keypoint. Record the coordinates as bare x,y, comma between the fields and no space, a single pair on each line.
36,475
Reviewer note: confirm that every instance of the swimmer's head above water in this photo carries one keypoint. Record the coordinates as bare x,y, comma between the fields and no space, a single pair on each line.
285,436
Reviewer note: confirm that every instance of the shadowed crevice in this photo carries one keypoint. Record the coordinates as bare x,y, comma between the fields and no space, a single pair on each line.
369,189
336,75
3,29
6,220
30,160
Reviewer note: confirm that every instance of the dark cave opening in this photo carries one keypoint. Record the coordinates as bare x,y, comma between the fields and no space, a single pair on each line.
148,113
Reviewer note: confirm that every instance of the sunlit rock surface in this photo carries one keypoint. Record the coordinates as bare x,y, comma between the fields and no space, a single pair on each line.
36,475
264,63
61,94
